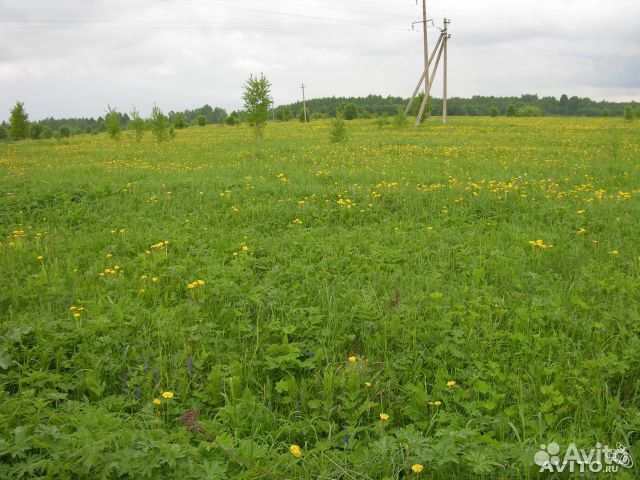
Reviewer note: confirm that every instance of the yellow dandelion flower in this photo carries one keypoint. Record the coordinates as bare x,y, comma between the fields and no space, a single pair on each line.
167,394
451,383
76,315
384,417
200,282
156,401
245,248
352,359
417,468
437,403
154,279
40,257
614,252
367,384
295,450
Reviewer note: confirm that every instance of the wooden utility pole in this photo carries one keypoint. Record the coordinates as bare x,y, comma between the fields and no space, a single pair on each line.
445,34
426,42
304,104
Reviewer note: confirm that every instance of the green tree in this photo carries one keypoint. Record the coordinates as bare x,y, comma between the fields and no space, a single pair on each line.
284,114
178,121
400,120
112,122
159,124
65,131
638,112
606,112
46,133
35,132
349,111
257,101
301,115
628,114
529,111
338,129
494,112
18,122
137,124
3,133
202,120
511,111
233,119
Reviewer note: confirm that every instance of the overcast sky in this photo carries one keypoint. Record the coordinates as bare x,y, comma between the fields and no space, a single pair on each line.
73,57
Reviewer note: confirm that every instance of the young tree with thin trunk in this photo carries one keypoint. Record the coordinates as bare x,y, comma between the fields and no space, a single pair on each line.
137,124
257,101
18,122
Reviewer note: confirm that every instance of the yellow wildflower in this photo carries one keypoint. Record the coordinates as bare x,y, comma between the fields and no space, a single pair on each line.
417,468
295,450
352,359
451,383
384,417
156,401
167,394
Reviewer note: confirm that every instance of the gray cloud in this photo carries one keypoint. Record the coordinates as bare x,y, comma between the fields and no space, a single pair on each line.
73,57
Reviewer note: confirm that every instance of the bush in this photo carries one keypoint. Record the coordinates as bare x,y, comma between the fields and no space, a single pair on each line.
382,120
178,121
606,113
202,120
529,111
159,124
494,112
112,122
301,116
628,114
349,111
284,114
3,133
46,133
137,124
511,111
35,132
338,130
18,122
400,120
233,119
64,131
257,102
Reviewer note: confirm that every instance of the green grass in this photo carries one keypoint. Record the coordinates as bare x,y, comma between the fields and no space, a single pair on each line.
406,248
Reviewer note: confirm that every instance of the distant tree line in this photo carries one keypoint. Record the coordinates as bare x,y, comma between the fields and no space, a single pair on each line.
113,122
525,105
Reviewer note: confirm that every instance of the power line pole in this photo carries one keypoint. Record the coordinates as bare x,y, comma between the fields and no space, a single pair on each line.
304,104
426,43
444,94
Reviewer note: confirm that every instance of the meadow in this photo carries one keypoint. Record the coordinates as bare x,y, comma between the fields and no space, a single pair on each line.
428,303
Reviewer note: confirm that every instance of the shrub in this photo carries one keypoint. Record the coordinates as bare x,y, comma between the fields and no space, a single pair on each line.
88,130
301,115
35,132
382,120
606,113
338,130
257,101
494,112
137,124
112,122
202,120
284,114
18,122
159,124
178,121
46,133
511,111
3,133
400,120
349,111
628,114
529,111
64,131
233,119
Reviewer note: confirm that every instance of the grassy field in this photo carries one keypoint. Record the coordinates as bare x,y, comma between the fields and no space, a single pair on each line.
448,296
